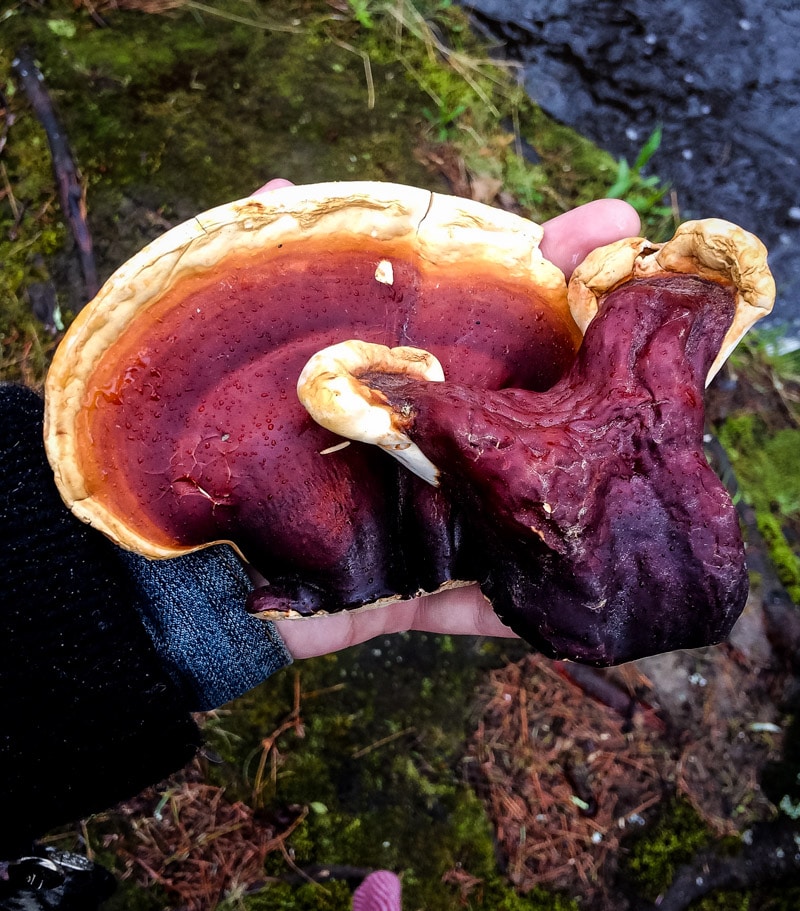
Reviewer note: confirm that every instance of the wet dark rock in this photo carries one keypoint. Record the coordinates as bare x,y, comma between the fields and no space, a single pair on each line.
722,78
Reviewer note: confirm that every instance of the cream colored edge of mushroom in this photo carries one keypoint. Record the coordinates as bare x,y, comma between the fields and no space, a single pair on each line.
330,390
710,248
455,229
388,211
450,585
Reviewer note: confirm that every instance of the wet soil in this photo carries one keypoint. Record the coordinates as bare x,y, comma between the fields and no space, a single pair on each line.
723,80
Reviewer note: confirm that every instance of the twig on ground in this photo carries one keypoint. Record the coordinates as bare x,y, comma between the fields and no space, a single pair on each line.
71,193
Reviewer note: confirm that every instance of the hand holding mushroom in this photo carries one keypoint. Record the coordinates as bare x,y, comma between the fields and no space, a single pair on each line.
173,420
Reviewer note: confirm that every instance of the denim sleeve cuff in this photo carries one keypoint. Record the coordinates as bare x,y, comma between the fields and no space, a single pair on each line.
193,609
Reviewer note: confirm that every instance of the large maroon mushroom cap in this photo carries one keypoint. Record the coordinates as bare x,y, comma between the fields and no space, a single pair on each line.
590,515
172,417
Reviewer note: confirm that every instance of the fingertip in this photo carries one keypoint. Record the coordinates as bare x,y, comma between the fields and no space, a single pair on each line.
276,183
569,237
619,214
459,611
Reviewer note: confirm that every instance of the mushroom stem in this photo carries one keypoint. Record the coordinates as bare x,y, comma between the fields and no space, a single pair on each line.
599,531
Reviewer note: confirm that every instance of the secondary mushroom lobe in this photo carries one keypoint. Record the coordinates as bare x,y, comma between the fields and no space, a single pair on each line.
602,532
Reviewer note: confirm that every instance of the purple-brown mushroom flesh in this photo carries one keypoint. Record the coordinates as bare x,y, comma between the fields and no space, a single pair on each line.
589,513
574,490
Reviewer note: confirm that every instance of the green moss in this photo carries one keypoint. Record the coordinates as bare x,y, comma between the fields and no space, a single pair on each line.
202,106
376,766
725,900
170,114
767,464
672,840
333,896
767,468
129,896
652,860
176,113
31,232
783,558
479,107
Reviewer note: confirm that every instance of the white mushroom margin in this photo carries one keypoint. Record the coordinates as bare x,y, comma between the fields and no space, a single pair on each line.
330,389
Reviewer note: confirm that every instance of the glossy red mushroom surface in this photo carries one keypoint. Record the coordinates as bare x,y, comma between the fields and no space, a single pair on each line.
185,429
587,512
597,528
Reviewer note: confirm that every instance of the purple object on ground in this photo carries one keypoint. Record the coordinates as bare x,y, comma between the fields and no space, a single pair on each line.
380,891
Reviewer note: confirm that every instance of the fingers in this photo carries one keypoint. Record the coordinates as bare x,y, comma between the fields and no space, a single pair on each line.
462,611
458,611
275,184
568,238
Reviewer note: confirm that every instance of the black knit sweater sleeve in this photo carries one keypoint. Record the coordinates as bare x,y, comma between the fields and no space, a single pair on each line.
88,715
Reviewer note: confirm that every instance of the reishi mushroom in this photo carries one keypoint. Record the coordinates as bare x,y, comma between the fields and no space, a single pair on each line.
172,420
573,489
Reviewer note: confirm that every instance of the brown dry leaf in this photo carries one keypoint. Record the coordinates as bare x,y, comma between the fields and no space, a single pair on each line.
485,189
445,159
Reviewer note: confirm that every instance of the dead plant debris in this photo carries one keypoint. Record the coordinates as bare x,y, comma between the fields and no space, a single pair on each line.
198,845
567,766
561,776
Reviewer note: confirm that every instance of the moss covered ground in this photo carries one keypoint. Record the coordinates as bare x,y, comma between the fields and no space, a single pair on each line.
376,760
754,409
174,112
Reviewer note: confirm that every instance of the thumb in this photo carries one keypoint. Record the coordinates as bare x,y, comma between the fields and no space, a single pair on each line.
568,238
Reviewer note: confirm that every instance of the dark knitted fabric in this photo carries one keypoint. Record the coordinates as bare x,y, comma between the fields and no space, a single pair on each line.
193,607
88,715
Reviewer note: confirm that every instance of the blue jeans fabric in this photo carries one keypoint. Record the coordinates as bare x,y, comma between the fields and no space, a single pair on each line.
193,609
